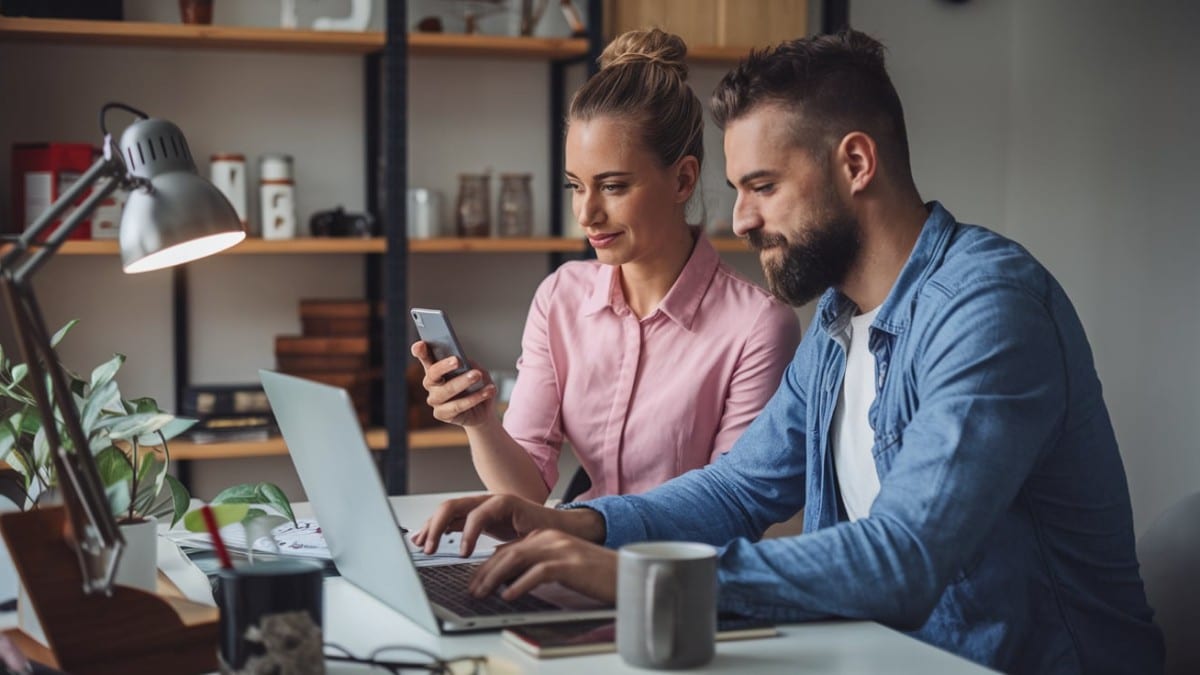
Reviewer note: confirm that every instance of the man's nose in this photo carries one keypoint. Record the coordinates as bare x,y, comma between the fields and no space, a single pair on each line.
745,218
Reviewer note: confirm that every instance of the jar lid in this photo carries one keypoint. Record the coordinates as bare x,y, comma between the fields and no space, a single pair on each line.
227,157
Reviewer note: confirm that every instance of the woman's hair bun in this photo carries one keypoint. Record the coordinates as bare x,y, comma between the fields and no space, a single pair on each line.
653,46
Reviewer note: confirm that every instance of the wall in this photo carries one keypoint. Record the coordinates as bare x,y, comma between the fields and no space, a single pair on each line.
1070,126
308,106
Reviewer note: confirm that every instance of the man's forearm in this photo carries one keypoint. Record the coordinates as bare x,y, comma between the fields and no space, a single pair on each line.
585,523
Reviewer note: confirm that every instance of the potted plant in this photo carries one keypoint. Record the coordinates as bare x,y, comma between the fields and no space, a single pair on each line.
128,439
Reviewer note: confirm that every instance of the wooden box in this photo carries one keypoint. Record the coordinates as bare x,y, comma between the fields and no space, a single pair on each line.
710,23
329,318
299,354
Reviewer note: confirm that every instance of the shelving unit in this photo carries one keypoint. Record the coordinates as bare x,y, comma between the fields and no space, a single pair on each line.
374,245
377,439
384,53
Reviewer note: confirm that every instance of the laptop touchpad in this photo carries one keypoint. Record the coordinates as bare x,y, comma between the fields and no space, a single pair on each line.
557,594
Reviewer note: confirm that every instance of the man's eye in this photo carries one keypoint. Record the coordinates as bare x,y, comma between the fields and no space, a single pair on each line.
764,188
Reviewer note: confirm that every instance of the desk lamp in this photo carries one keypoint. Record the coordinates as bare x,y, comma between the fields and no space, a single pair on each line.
172,216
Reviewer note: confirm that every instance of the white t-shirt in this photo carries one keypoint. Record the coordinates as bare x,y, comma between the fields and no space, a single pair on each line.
852,434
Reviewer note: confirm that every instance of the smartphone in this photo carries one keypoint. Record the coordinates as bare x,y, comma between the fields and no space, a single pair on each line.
435,331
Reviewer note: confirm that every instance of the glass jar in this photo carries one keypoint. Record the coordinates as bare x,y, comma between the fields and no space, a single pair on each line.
515,206
474,213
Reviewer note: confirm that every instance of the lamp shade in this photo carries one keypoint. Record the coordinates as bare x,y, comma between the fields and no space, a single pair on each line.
181,216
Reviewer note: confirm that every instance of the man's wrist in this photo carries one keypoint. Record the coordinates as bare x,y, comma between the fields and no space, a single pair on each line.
583,522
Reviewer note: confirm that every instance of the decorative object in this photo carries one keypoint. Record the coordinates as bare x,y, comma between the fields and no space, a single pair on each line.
424,213
515,205
227,171
41,173
531,15
172,216
359,18
474,204
277,197
271,615
196,11
287,14
340,223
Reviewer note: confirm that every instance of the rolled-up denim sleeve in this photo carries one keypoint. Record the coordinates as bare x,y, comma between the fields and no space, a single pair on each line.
991,384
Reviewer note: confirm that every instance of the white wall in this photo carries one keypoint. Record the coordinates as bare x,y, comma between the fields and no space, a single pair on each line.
1070,126
465,115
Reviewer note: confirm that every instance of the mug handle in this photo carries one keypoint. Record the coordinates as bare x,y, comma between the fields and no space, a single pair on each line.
660,613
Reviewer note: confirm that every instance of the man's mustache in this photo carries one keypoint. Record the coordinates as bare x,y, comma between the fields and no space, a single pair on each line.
760,240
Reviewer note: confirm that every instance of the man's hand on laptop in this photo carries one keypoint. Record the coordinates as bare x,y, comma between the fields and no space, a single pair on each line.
505,517
547,556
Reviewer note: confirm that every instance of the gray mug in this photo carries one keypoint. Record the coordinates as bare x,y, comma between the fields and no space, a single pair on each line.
666,604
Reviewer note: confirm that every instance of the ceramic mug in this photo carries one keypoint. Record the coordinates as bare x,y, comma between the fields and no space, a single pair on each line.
667,604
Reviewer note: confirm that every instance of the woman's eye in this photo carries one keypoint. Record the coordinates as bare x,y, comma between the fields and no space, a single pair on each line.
570,186
612,187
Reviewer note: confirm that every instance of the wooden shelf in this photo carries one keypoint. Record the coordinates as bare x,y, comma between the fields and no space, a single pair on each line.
332,245
448,44
496,245
448,437
731,245
142,34
717,55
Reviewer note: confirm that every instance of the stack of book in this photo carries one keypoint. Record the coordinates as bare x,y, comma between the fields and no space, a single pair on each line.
334,349
228,413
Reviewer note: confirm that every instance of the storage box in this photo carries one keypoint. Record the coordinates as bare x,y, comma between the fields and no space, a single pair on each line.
331,318
295,353
356,383
41,172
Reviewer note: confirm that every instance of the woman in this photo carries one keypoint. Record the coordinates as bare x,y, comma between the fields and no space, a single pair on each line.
652,359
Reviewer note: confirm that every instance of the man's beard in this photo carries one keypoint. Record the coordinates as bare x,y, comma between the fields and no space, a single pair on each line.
820,259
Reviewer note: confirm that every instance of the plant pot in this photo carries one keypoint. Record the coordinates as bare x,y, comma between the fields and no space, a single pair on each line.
138,567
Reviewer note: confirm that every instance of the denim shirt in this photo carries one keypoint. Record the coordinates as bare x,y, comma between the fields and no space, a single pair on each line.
1002,531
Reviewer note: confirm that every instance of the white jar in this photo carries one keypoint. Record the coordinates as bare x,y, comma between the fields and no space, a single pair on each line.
277,197
228,174
424,213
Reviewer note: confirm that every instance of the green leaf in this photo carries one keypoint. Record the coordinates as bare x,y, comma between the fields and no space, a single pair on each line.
102,398
176,426
179,497
62,332
18,373
118,497
105,372
225,514
151,474
41,448
8,438
139,424
260,493
114,467
143,405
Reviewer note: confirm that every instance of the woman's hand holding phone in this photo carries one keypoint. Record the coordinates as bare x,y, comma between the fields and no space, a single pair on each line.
448,398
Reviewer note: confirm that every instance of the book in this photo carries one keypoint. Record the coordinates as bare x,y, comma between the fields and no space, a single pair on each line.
575,638
233,428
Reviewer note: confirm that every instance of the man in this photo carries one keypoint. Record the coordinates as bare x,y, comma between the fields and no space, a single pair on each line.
960,474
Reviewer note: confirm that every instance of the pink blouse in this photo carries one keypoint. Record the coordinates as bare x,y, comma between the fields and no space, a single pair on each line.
644,401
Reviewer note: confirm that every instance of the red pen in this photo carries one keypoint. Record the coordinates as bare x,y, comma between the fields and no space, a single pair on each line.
210,521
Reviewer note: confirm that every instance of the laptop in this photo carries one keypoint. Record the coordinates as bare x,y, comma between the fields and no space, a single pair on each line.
337,471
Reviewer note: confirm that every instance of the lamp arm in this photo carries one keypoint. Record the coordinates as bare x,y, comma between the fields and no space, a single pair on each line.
107,165
98,542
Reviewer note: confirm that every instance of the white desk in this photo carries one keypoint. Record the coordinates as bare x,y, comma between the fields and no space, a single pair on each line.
360,623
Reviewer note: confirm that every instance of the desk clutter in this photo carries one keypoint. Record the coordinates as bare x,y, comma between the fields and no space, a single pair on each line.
227,413
334,348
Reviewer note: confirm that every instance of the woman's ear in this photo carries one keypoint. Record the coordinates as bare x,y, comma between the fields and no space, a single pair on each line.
687,176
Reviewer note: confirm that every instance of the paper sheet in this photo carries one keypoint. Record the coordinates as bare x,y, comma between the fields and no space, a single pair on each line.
304,539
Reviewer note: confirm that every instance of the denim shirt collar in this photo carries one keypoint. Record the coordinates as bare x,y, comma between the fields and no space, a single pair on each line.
835,309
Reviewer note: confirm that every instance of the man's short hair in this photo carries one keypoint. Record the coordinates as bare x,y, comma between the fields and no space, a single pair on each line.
834,84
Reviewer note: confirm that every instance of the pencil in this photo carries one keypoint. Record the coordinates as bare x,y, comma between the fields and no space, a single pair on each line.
210,521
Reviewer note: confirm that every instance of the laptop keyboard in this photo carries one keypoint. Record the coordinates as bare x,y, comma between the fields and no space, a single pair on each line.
447,586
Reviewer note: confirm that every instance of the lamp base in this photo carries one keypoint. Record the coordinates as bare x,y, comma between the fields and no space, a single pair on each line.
130,631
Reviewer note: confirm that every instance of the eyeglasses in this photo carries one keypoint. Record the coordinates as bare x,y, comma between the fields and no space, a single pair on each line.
429,662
